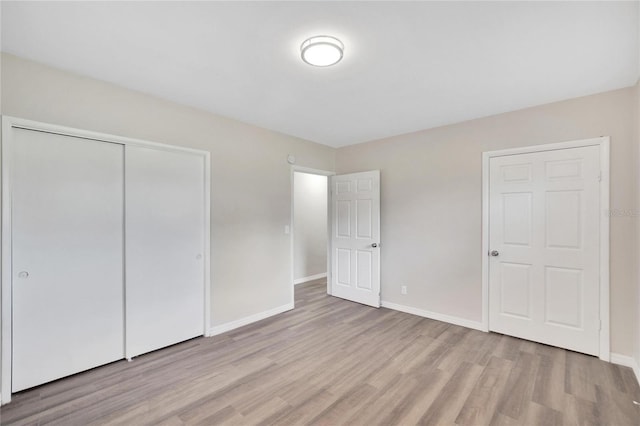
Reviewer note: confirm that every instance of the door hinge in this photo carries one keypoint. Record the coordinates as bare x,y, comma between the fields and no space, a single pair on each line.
600,177
599,325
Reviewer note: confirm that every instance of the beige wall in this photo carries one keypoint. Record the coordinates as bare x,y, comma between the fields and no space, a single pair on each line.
250,177
309,225
431,202
431,183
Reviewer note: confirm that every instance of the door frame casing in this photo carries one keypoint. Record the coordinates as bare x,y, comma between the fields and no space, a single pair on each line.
308,170
6,307
603,143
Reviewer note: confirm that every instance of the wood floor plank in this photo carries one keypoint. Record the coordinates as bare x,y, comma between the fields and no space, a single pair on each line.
333,362
354,399
447,406
205,416
518,389
304,411
549,388
482,402
578,377
541,415
422,397
622,411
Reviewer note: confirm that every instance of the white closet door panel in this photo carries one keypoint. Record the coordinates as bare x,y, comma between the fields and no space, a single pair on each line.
164,249
67,265
544,222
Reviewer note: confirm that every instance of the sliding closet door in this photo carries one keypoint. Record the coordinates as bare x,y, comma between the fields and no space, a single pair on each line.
164,249
67,255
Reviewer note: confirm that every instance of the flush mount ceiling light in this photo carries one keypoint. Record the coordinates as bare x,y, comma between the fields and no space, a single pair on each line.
321,51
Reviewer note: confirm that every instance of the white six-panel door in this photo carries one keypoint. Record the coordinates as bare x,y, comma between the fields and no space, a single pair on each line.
165,225
67,247
544,238
355,237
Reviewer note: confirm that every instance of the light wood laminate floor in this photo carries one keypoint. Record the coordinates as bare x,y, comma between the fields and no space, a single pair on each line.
331,362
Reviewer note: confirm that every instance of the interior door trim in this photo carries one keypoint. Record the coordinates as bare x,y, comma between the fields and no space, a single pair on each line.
603,143
9,123
308,170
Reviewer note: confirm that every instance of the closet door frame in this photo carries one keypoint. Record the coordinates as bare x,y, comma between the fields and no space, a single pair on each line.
6,307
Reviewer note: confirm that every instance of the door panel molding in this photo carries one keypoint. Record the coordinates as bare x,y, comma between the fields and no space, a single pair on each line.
559,170
8,124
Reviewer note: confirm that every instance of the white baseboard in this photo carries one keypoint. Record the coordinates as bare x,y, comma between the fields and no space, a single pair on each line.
627,361
232,325
309,278
476,325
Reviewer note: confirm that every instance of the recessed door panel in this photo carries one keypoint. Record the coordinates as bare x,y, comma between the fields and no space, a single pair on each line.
364,269
563,169
343,266
518,173
517,215
515,290
563,296
563,219
364,216
343,219
365,185
343,187
67,255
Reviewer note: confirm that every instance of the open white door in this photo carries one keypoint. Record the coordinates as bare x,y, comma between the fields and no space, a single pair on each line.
355,237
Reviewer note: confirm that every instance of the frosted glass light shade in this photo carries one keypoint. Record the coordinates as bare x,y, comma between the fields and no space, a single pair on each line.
322,51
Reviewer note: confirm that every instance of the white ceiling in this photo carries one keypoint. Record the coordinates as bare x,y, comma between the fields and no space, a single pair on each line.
407,65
